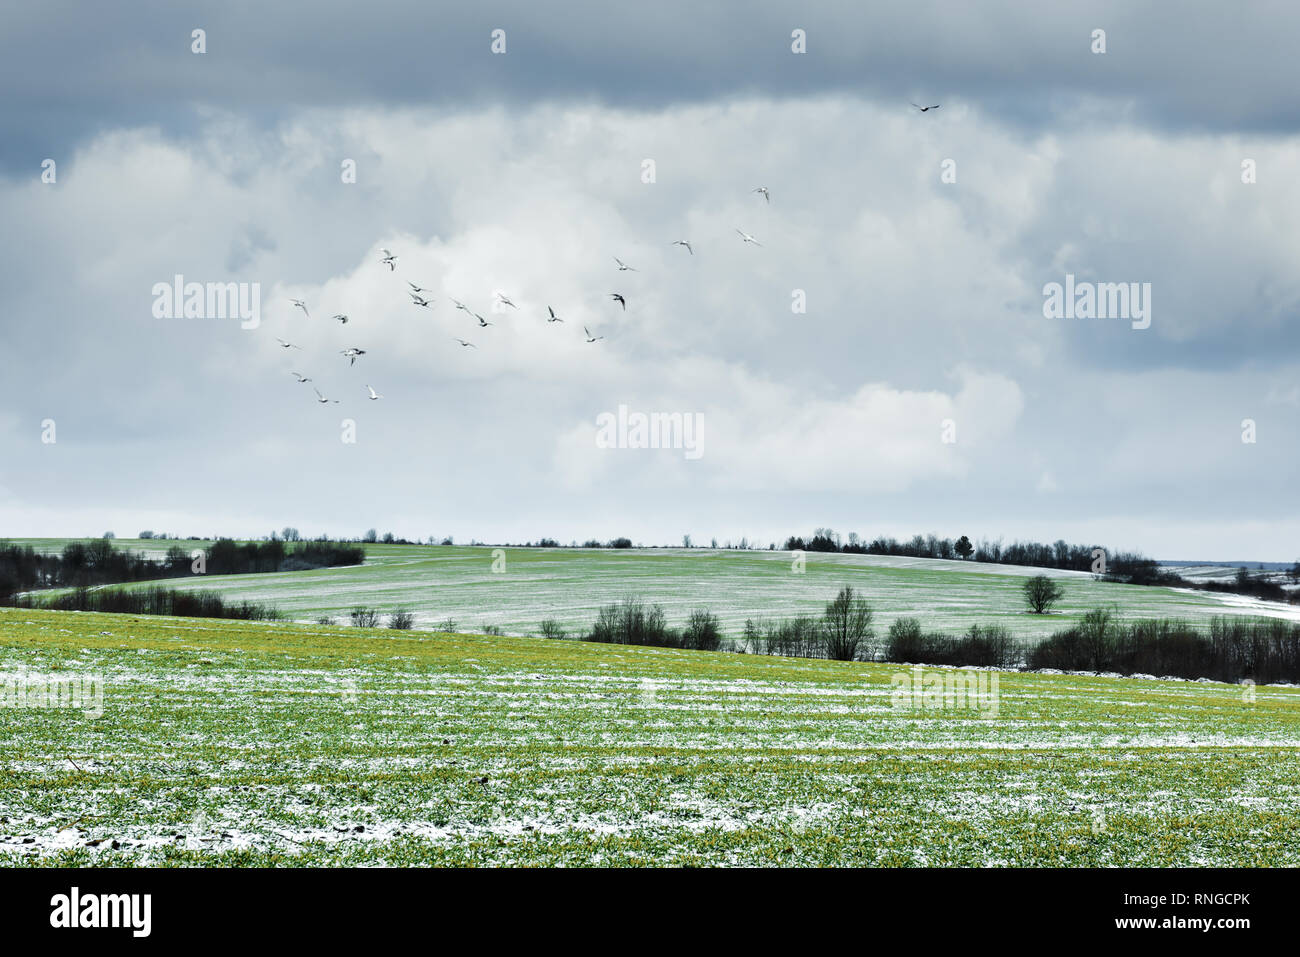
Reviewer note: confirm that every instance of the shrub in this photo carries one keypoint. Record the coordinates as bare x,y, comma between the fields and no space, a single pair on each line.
983,646
799,637
906,643
631,622
702,631
401,620
550,628
363,617
987,646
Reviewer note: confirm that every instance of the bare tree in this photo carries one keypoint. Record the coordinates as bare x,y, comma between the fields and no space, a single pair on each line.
846,625
1041,593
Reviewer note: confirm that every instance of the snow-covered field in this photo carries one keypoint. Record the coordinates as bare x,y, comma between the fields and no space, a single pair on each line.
234,743
514,589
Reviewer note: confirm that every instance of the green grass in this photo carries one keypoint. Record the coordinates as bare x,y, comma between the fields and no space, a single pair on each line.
228,743
570,585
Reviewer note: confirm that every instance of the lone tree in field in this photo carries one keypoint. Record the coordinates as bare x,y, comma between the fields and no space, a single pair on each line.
846,625
964,547
1041,593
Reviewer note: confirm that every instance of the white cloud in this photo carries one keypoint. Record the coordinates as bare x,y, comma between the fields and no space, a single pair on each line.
924,304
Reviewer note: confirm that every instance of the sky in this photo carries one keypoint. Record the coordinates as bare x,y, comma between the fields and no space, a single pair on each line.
880,361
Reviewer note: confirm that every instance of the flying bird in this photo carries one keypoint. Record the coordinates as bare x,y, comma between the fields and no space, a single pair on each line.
300,377
504,301
414,287
286,345
624,267
462,306
464,343
388,259
301,305
320,398
748,238
373,394
352,354
619,299
417,301
925,109
483,323
341,318
762,189
554,317
683,242
590,337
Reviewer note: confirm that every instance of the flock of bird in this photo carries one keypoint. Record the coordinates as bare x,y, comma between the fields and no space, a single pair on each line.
419,299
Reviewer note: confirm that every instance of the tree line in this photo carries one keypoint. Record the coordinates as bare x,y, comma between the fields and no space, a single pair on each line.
180,603
100,562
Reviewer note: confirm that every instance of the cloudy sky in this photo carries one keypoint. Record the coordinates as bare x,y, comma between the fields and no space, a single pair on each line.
525,172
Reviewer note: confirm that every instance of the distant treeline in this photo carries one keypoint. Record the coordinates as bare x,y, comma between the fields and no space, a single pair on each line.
1130,568
1247,584
149,601
100,562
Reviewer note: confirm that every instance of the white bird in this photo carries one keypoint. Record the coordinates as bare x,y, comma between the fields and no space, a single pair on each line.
301,378
925,109
286,345
624,267
389,259
320,398
762,189
414,287
504,301
352,354
464,343
341,318
590,337
748,238
554,317
301,305
417,301
483,323
373,394
460,305
683,242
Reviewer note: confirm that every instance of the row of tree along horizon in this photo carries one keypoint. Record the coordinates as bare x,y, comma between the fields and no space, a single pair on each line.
96,561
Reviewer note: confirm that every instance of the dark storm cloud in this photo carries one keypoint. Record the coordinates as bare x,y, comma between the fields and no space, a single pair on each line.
70,69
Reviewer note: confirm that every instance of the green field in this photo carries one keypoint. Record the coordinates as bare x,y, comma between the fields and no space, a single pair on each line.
234,743
458,584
